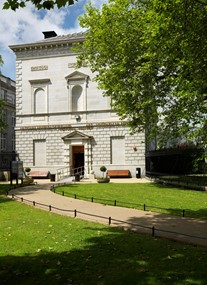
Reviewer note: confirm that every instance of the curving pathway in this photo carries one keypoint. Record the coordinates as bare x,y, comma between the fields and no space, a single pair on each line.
187,230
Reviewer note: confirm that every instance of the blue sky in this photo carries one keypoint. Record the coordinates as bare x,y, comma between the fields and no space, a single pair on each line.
26,25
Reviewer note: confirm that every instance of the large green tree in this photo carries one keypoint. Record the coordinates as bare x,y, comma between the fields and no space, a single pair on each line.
151,59
39,4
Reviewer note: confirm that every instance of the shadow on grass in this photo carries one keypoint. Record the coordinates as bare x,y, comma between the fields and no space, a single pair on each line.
176,187
188,213
190,231
4,188
4,199
114,257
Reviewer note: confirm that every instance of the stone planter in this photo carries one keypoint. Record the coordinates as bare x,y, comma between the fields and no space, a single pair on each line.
103,180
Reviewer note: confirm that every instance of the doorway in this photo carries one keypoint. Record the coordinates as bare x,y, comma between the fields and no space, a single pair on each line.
78,159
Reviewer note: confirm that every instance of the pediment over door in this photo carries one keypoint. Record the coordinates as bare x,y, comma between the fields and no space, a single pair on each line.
76,135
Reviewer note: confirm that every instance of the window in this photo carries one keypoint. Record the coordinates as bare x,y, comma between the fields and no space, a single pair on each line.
117,150
4,116
3,141
13,142
3,94
39,98
13,119
39,152
39,101
77,83
77,98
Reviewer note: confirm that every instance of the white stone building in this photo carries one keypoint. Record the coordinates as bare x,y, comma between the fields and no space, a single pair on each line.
62,119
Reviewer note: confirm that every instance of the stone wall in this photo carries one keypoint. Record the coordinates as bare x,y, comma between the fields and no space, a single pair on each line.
58,152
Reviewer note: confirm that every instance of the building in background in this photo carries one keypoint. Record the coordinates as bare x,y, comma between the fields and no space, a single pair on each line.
62,119
7,136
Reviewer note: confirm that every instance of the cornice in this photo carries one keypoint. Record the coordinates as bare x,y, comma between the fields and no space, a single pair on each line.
65,113
72,126
59,41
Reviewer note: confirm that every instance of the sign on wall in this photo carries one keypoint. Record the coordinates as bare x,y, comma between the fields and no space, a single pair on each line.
17,171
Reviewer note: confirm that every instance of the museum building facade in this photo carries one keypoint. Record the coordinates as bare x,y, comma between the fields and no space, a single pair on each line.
63,121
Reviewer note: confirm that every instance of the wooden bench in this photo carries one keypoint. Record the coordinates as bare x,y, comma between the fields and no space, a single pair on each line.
39,174
119,173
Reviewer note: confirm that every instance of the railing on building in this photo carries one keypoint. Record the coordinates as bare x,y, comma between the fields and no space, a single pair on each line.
65,172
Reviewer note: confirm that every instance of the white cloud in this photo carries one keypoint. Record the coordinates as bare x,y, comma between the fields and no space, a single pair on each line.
98,3
26,25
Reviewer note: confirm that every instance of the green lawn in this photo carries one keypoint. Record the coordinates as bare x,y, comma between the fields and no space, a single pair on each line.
39,247
152,195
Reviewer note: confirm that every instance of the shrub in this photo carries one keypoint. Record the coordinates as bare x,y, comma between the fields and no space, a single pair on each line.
27,169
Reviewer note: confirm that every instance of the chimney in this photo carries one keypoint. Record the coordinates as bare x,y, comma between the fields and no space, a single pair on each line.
49,34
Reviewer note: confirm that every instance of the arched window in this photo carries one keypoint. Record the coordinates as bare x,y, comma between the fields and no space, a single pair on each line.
39,101
77,98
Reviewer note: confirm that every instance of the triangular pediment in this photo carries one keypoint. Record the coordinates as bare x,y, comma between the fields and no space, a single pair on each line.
76,75
76,135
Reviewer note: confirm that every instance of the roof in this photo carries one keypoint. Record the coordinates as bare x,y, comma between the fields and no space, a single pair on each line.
70,38
7,80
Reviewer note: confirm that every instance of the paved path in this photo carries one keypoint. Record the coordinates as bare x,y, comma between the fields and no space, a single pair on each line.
173,227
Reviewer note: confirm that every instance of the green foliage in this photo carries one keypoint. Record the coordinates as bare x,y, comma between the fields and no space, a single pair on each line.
1,61
3,124
103,168
150,58
39,4
27,169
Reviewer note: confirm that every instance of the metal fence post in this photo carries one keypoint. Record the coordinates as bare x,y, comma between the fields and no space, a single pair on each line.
153,231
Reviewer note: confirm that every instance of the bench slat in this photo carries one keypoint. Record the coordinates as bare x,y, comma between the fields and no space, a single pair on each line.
118,173
35,173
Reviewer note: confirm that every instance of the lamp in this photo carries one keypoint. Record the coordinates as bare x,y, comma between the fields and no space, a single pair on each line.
77,117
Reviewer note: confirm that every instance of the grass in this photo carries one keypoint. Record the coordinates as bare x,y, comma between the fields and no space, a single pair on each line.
39,247
154,196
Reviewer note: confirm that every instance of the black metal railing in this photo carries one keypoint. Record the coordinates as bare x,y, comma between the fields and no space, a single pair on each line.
69,172
154,231
144,207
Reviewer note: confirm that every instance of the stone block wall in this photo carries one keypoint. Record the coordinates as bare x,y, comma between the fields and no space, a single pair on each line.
58,152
